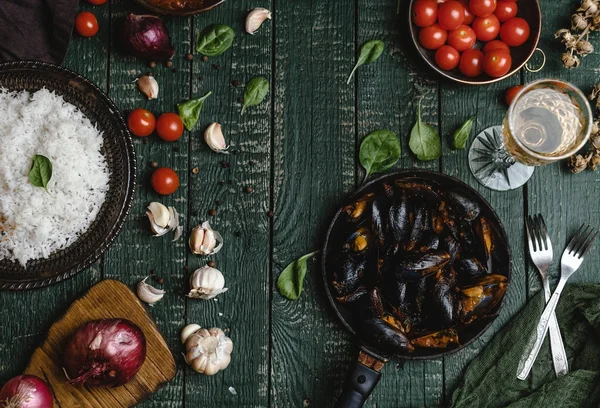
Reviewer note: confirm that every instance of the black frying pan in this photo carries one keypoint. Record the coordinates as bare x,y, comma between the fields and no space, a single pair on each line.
365,373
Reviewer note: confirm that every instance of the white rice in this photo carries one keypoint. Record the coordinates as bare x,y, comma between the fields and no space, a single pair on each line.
34,223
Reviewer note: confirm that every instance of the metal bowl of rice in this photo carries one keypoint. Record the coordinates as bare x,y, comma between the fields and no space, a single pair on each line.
50,234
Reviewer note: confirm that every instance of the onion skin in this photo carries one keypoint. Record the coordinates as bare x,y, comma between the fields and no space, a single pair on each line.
26,391
147,37
107,352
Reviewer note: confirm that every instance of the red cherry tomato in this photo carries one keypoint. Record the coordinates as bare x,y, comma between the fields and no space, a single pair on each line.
97,2
164,181
424,12
451,15
471,63
141,122
482,8
506,10
447,58
514,32
169,127
511,93
497,63
462,38
86,24
469,17
433,37
495,45
486,28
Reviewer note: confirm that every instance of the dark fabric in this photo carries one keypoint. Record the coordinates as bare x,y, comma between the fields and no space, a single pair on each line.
36,29
491,378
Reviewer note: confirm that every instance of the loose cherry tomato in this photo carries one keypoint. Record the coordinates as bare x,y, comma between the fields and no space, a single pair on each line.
447,58
451,15
495,45
141,122
164,181
86,24
97,2
469,17
433,37
514,32
424,12
486,28
462,38
497,63
511,93
169,127
482,8
471,63
506,10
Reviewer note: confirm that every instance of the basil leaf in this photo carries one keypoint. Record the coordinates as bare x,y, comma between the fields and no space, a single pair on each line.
215,40
291,280
41,171
424,141
379,151
461,135
255,92
189,111
369,53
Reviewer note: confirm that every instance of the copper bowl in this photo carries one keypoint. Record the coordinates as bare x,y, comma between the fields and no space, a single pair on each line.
528,9
199,7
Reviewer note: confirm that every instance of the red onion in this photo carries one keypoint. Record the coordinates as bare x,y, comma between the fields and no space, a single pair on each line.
147,37
107,352
26,391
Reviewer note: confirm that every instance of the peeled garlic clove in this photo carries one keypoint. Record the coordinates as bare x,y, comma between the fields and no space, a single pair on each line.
148,86
157,230
213,136
206,283
148,293
188,331
255,18
160,213
205,241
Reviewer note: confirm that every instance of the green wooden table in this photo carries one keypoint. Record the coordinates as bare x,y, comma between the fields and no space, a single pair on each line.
298,153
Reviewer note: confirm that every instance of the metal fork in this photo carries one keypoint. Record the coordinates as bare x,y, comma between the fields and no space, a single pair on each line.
570,262
540,251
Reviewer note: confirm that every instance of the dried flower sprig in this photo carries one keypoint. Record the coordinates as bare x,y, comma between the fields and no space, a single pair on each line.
591,159
576,39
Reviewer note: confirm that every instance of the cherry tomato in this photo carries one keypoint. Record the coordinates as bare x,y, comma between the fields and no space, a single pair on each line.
514,32
497,63
511,93
462,38
486,28
506,10
451,15
97,2
141,122
469,17
433,37
164,181
495,45
471,63
447,58
482,8
86,24
424,12
169,127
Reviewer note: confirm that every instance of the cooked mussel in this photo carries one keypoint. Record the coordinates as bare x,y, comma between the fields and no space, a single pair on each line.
480,297
359,242
418,190
442,298
400,217
429,240
354,296
419,265
419,227
440,339
358,208
379,223
349,273
384,337
463,206
487,239
449,244
469,269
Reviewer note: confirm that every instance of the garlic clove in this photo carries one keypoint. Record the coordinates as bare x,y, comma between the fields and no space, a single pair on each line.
204,240
188,331
196,239
178,233
148,86
148,293
157,230
174,218
209,242
213,136
255,18
160,213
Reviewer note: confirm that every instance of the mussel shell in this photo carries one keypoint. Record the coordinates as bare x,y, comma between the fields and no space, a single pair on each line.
384,337
419,191
419,265
419,227
400,218
442,302
463,206
469,269
357,209
379,224
487,238
348,275
479,298
360,241
354,296
449,244
430,240
439,339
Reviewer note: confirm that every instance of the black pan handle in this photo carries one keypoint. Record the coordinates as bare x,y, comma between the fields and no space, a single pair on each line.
361,381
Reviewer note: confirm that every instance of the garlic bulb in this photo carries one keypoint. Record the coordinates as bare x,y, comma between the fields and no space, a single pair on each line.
204,240
163,220
255,18
208,351
148,86
213,136
206,283
148,293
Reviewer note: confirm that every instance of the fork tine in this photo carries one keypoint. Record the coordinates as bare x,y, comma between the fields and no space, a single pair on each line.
586,245
590,243
545,235
575,239
537,228
530,237
583,237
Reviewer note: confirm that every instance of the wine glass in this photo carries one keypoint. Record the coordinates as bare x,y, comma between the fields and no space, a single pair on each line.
547,121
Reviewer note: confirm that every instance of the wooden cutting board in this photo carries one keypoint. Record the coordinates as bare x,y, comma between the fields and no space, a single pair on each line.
107,299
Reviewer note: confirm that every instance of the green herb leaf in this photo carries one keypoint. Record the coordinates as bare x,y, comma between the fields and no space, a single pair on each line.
379,151
424,141
369,53
189,111
291,280
215,40
41,171
255,92
461,135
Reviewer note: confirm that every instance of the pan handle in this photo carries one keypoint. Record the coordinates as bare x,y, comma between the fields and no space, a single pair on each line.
361,381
